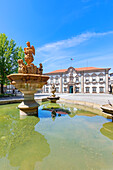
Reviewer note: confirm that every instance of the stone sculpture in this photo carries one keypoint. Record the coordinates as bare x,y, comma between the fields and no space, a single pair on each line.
53,90
28,80
30,68
53,97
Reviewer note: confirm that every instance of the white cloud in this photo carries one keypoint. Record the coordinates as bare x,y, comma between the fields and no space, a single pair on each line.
74,41
57,55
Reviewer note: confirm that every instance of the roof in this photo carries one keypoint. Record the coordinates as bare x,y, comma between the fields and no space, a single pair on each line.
78,69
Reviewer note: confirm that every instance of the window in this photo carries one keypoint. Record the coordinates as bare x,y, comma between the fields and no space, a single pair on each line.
56,79
77,79
101,79
87,80
94,79
65,80
77,89
47,89
57,89
94,89
87,89
51,78
51,81
65,89
101,89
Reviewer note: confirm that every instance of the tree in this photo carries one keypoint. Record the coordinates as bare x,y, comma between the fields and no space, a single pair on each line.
9,54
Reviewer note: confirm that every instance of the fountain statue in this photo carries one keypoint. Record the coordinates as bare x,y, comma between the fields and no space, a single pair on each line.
53,97
28,80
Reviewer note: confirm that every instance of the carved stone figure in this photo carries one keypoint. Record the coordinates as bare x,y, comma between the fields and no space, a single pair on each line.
53,90
28,53
40,69
22,67
53,98
30,68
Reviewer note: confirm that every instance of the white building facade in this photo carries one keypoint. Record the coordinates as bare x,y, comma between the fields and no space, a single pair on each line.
79,80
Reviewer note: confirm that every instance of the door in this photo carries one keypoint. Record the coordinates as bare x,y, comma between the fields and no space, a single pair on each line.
70,89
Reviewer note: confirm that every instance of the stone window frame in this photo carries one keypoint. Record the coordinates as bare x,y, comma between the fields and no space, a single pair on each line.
77,91
65,78
65,90
94,76
47,89
51,78
102,90
77,77
57,89
86,75
56,78
93,90
101,74
88,89
87,80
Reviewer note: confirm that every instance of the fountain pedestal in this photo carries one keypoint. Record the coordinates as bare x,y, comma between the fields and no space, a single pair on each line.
53,98
29,106
28,84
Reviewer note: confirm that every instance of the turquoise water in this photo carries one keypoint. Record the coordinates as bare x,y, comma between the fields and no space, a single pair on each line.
78,140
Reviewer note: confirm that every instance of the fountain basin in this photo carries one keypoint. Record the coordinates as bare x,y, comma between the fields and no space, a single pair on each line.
28,84
53,99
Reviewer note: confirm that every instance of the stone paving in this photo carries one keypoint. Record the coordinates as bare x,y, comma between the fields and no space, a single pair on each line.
91,98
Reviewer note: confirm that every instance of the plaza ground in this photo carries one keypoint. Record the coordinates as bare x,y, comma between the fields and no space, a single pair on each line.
98,99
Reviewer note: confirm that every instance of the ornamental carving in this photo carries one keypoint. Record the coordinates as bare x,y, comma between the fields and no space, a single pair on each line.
30,68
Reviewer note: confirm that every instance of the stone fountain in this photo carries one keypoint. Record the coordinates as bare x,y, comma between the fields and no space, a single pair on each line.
53,98
28,80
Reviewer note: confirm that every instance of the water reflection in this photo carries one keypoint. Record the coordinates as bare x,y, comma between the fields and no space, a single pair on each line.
107,130
21,144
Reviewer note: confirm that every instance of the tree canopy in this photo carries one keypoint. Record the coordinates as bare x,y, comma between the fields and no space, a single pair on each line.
9,54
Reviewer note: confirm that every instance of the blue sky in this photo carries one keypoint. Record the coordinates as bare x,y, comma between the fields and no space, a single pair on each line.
61,29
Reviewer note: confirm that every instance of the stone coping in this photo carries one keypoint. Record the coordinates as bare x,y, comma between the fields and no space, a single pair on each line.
89,106
92,107
3,102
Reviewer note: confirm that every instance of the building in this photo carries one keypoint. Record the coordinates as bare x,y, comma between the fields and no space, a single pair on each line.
79,80
111,83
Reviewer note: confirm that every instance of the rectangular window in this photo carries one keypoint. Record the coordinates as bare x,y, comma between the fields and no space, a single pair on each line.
101,79
51,81
57,89
87,89
77,79
47,89
65,80
65,89
94,79
101,89
94,89
77,89
87,80
56,82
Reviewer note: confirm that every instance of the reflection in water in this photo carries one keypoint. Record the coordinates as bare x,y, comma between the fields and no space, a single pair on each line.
72,140
21,144
107,130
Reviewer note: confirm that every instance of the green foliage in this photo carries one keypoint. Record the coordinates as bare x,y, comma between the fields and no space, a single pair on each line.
9,54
